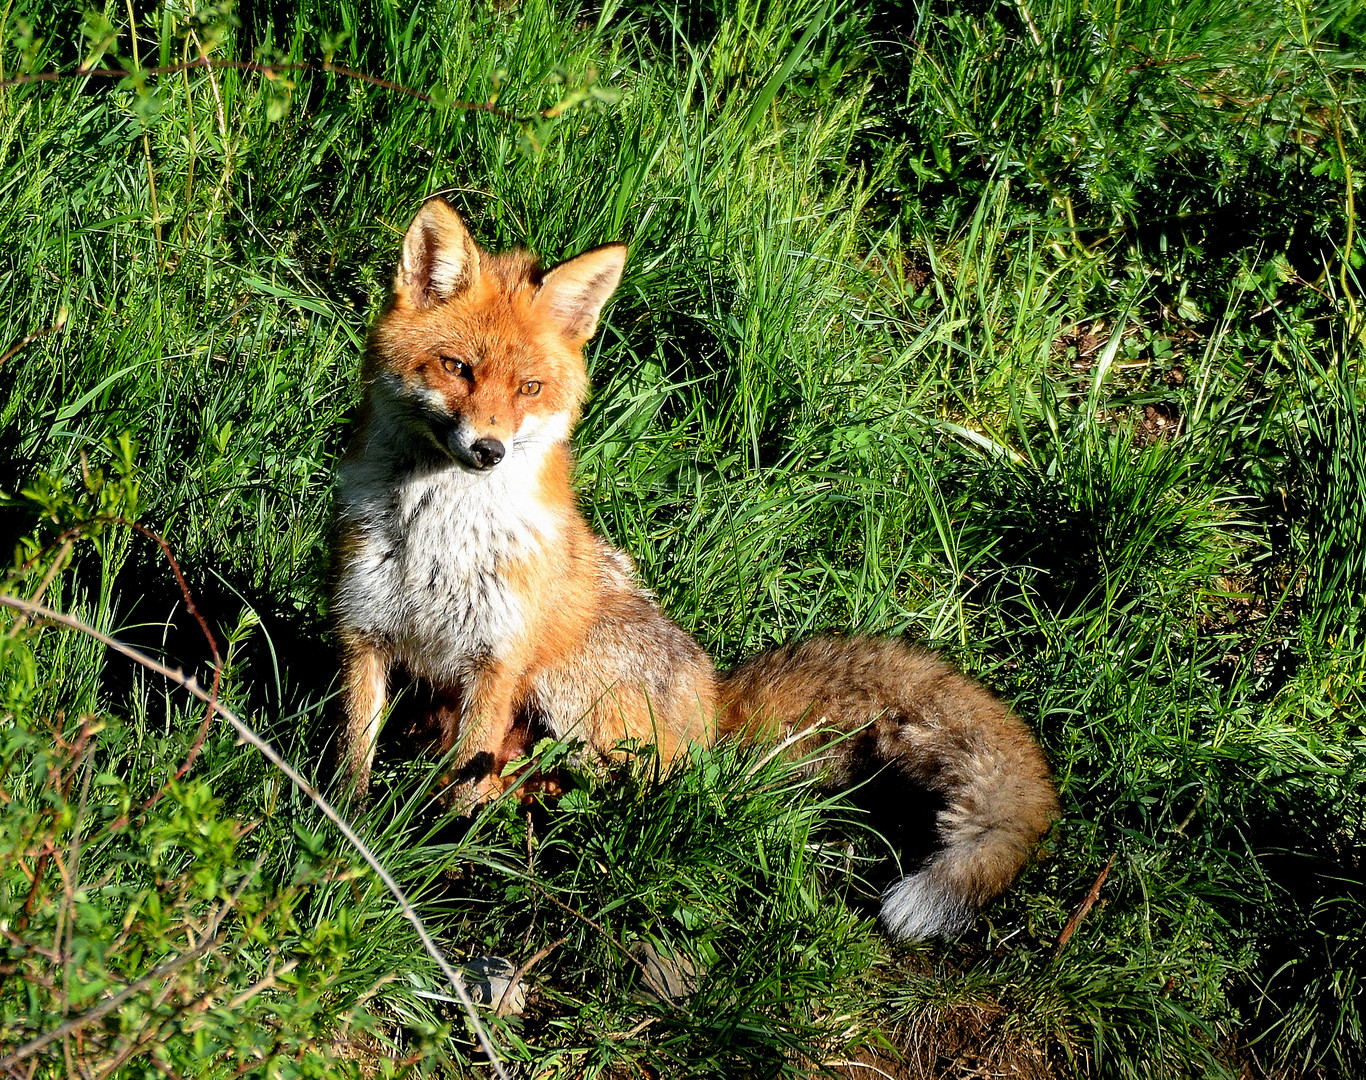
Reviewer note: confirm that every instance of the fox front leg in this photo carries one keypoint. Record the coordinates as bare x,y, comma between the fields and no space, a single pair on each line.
365,688
485,727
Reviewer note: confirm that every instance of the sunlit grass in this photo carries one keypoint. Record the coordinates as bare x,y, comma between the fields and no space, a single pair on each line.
1031,332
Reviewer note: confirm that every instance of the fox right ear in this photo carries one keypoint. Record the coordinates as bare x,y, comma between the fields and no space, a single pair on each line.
440,257
572,294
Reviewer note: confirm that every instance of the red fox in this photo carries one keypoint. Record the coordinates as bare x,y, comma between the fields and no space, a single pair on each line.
462,558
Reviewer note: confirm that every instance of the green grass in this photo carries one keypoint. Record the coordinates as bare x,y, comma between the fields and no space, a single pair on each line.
1031,331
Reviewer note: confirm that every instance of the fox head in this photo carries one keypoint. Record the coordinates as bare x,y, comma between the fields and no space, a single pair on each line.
481,353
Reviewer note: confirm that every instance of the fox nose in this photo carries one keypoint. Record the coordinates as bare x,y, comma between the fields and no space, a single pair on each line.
486,452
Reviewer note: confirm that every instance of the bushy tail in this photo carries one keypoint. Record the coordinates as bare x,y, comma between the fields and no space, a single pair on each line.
867,710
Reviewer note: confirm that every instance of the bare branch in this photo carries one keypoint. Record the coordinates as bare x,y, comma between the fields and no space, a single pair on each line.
607,935
270,70
203,731
14,349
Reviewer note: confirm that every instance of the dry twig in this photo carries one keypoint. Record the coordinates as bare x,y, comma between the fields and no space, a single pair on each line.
540,954
1088,901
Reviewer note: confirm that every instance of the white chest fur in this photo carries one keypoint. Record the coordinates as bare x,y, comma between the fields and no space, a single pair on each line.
426,575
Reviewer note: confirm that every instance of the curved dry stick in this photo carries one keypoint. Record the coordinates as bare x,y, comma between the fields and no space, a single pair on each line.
505,999
190,683
65,540
28,339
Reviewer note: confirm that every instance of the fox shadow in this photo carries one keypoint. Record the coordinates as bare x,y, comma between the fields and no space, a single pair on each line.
281,671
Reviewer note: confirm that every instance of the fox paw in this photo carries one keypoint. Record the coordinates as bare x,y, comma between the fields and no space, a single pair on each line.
469,786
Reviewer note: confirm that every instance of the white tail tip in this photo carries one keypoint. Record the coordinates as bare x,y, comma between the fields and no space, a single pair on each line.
922,906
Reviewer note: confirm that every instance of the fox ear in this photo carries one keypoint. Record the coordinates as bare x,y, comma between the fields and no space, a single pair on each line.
572,294
440,257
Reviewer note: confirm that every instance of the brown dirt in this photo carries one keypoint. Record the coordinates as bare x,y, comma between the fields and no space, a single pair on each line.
957,1043
1160,422
1079,344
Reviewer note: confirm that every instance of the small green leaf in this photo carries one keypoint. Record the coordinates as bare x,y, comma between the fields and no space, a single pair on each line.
277,107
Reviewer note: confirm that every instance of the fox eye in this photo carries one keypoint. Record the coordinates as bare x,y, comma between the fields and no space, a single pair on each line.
531,387
454,366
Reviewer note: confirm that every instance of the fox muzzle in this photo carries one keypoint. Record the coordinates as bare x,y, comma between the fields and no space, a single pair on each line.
486,452
482,452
